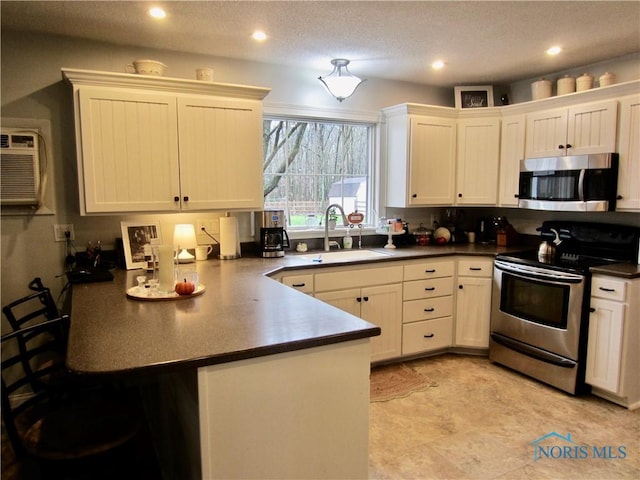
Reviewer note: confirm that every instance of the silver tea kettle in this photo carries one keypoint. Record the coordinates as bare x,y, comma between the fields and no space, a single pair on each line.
547,250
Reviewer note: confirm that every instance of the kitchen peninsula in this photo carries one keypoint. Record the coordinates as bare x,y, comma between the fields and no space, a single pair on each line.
282,379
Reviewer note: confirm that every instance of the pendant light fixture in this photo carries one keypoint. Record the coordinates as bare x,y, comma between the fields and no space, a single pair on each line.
341,83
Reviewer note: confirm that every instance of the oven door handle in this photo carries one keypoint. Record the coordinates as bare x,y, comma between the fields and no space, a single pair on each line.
533,352
538,273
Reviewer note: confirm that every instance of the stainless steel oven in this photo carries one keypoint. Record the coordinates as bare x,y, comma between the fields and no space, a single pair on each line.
540,304
537,324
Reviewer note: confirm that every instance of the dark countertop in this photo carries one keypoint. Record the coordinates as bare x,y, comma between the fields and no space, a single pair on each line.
622,270
242,314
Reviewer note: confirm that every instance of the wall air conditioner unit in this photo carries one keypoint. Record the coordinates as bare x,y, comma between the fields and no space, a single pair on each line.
19,167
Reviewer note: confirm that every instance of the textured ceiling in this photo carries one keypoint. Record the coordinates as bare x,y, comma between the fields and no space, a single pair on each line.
481,42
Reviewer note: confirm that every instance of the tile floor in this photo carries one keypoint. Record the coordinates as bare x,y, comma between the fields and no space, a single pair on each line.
480,422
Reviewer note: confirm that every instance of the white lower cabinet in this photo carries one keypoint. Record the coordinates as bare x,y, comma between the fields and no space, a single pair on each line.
302,282
427,309
376,298
614,336
473,302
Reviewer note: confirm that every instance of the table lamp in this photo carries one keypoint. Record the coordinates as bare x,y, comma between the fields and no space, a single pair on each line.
184,237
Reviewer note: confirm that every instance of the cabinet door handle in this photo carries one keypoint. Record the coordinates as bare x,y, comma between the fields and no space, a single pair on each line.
298,285
430,335
592,309
358,299
185,198
607,289
459,195
515,195
475,269
561,147
366,299
569,145
176,199
460,287
429,289
619,197
430,271
431,309
415,195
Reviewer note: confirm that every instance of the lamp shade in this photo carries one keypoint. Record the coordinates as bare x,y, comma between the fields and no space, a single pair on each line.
341,83
184,237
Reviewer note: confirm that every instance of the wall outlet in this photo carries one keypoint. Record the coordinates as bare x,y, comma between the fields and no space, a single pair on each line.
211,225
63,231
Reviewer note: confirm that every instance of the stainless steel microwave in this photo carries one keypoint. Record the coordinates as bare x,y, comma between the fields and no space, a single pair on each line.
578,183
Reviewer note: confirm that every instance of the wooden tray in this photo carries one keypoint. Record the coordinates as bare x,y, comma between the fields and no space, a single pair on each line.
135,294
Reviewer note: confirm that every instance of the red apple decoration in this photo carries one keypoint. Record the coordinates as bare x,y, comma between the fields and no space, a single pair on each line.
441,240
185,288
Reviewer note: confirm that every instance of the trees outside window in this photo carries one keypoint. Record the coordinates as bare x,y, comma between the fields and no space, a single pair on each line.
309,165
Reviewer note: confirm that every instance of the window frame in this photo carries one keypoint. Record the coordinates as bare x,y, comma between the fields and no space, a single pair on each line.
369,120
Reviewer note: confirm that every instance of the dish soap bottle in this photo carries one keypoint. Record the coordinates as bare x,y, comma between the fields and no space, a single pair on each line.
347,241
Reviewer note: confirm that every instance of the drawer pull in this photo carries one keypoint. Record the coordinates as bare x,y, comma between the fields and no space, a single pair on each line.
430,309
298,285
475,269
429,289
430,271
607,289
430,335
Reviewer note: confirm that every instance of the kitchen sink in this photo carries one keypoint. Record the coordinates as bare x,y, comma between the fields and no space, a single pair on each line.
342,256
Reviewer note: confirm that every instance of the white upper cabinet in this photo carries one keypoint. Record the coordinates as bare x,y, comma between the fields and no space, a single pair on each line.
511,152
220,143
127,151
421,153
477,161
629,151
581,129
156,144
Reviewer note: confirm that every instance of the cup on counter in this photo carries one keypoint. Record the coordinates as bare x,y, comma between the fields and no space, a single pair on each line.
204,74
203,251
471,236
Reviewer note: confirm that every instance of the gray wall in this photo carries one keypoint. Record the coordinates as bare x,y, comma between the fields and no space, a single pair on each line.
32,88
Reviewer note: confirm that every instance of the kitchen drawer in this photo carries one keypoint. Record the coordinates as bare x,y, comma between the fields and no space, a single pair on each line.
437,287
421,271
609,288
304,283
365,277
427,335
481,267
426,309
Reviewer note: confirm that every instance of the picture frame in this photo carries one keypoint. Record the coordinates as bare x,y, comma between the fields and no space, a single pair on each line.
474,96
135,235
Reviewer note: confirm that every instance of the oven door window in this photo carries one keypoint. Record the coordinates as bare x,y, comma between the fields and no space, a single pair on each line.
536,301
556,185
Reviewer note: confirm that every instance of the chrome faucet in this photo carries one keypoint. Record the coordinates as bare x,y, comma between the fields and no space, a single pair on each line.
326,223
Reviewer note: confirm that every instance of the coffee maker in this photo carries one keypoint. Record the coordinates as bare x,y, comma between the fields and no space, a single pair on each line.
273,237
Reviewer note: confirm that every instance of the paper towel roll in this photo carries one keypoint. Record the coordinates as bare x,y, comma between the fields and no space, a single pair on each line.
229,238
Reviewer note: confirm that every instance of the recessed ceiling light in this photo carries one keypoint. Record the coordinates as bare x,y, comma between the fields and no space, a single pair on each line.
157,12
259,36
554,50
437,65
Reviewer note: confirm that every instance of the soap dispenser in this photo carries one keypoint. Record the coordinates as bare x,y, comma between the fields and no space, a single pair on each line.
347,241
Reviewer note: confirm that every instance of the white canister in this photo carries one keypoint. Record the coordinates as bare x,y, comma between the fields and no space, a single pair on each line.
566,84
607,79
541,89
584,82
